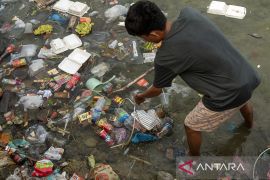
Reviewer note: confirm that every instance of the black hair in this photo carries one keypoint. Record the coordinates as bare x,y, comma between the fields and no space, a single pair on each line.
144,17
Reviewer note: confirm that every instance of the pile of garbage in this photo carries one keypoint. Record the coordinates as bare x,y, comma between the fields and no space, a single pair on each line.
46,88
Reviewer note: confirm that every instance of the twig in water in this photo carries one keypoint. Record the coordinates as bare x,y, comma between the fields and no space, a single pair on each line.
134,81
141,160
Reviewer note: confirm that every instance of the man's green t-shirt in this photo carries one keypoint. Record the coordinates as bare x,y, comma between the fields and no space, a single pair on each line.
198,51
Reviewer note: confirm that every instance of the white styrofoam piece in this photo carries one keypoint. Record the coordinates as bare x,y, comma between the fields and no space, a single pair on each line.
63,5
238,12
74,61
217,7
69,66
79,56
221,8
78,9
72,41
58,46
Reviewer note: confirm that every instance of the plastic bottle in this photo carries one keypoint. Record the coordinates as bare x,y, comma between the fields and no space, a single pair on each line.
73,81
82,101
129,122
16,63
17,158
121,114
96,111
11,81
9,49
167,128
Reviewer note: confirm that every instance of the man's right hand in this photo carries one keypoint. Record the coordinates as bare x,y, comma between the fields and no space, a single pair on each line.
139,99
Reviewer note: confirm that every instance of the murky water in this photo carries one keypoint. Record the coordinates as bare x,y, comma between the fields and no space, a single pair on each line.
228,140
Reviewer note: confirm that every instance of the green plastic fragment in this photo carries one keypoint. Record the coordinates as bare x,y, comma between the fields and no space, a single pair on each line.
84,28
43,29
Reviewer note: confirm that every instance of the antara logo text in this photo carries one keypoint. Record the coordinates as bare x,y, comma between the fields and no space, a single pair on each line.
216,166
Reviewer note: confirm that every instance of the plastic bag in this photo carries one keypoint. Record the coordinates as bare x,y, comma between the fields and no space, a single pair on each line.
120,135
36,66
18,23
100,69
114,12
141,137
46,53
103,171
31,102
54,153
28,28
36,134
28,50
43,168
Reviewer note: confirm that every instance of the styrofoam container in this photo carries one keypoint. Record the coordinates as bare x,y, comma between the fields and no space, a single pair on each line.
78,9
79,55
69,66
63,5
74,61
238,12
58,46
72,41
221,8
217,7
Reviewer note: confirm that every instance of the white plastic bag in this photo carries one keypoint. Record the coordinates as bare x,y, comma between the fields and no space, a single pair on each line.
28,50
36,67
31,102
100,69
114,12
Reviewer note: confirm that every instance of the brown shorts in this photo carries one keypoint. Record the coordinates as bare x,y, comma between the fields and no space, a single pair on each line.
203,119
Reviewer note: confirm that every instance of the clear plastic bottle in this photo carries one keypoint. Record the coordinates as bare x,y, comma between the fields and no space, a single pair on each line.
11,81
96,111
167,127
129,122
121,114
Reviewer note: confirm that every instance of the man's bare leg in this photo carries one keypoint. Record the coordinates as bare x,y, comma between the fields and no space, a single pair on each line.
247,113
194,140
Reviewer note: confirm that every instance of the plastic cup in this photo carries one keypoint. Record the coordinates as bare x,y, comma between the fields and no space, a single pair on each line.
94,84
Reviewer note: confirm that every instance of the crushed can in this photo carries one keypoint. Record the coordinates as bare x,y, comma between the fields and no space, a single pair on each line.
107,88
85,116
76,177
108,139
53,115
142,83
118,100
61,95
53,72
73,81
102,123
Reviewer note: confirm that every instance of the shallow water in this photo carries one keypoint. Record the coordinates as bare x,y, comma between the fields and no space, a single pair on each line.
223,141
